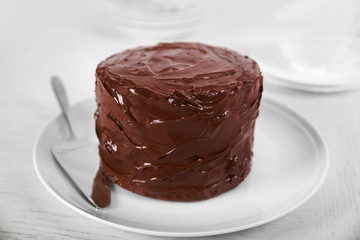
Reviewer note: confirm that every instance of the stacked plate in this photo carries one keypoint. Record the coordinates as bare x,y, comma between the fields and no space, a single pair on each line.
280,71
156,19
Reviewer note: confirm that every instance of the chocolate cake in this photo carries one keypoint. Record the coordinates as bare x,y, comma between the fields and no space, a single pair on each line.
176,121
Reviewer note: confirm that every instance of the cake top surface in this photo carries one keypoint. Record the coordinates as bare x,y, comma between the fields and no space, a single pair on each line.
167,67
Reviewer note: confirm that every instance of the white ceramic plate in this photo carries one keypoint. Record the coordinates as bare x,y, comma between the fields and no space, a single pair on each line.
279,71
289,165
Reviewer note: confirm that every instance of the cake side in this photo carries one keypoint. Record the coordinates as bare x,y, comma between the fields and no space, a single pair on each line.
176,121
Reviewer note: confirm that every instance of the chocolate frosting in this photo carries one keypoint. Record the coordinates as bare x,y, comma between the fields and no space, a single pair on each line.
176,121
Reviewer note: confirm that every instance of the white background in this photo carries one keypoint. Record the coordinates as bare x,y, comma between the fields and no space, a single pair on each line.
69,38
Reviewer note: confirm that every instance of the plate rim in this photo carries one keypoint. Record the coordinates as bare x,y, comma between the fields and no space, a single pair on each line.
313,133
312,88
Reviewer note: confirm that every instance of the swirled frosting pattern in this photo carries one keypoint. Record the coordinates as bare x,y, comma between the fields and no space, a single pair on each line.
176,121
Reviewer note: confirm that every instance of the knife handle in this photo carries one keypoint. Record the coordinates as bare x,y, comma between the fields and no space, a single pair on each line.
62,99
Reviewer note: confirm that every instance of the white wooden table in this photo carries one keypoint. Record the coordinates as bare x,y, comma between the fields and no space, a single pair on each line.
68,38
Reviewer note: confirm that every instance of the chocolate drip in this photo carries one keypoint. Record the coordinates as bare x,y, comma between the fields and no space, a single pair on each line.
176,121
101,194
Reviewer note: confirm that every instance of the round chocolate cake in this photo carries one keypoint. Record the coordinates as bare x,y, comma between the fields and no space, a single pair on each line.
176,121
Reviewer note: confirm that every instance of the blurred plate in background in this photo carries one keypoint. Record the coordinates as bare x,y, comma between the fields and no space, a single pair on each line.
341,76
